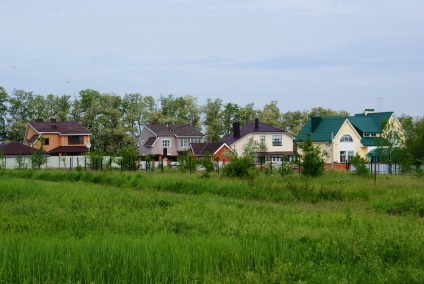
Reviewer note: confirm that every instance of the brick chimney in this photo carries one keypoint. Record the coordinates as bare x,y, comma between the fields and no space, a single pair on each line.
236,129
256,123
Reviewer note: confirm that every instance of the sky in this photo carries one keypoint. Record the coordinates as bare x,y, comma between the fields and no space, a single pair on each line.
338,54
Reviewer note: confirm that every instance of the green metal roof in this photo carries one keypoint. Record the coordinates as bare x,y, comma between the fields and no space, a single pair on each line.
370,123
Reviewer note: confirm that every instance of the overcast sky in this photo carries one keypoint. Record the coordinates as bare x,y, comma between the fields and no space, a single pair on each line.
343,55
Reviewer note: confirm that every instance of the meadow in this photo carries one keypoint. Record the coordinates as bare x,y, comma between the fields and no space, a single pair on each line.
117,227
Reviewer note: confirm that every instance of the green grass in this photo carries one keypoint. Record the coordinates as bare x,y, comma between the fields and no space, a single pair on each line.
87,227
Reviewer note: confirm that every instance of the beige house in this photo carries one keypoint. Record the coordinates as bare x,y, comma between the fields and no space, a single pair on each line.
278,143
58,138
341,137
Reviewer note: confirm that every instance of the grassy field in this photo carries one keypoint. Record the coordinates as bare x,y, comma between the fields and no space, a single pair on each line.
70,227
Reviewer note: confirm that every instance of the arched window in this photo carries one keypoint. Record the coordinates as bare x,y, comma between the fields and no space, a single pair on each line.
346,138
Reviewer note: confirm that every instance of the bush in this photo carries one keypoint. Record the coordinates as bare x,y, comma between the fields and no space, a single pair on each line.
241,167
360,165
285,169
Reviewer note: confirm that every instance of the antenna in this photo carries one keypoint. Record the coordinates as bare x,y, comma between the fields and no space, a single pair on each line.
380,102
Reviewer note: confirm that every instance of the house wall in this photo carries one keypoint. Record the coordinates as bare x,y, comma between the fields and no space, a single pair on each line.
287,142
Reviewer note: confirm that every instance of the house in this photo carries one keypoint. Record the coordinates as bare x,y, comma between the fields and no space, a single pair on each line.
278,143
167,139
59,138
215,150
341,137
14,149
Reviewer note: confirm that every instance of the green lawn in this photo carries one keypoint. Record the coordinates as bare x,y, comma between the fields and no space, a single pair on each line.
70,227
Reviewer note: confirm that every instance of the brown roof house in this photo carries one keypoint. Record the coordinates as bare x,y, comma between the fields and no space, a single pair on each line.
60,138
278,142
215,150
167,139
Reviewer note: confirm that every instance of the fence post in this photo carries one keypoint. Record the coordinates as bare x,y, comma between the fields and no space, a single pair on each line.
70,164
110,164
85,164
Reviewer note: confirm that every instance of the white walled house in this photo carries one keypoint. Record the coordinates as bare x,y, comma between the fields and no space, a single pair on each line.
278,142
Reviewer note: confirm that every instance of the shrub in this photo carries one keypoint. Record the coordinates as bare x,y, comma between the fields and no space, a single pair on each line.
241,167
311,159
360,165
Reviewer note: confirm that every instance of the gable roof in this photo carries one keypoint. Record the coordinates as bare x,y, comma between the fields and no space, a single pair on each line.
62,128
250,128
324,127
15,148
199,149
169,129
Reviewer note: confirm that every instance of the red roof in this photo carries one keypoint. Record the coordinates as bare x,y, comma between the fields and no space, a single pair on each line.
69,149
63,128
15,148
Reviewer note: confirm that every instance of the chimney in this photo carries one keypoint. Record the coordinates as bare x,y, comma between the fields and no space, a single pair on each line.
256,123
315,120
368,111
236,129
54,120
39,120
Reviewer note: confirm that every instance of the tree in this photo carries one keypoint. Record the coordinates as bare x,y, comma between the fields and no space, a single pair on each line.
182,110
20,113
311,159
389,145
230,113
293,121
271,114
414,138
212,120
3,110
247,114
38,158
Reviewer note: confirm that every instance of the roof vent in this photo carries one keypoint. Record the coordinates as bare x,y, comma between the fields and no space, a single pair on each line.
54,126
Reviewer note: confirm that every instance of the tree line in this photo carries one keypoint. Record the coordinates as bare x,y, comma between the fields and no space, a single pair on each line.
116,121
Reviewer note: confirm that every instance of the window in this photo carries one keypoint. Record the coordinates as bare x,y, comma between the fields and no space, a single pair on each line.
346,156
46,141
262,140
277,140
75,139
185,142
276,158
166,143
346,138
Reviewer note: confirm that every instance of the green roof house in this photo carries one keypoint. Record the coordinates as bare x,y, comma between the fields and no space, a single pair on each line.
341,137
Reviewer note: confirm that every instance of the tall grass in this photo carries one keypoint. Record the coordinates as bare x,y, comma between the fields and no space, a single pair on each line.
139,229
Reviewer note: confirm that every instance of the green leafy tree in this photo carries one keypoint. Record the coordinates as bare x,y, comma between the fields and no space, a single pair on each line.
293,121
38,157
389,146
20,113
414,138
212,120
230,113
3,111
182,110
247,114
271,114
311,159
